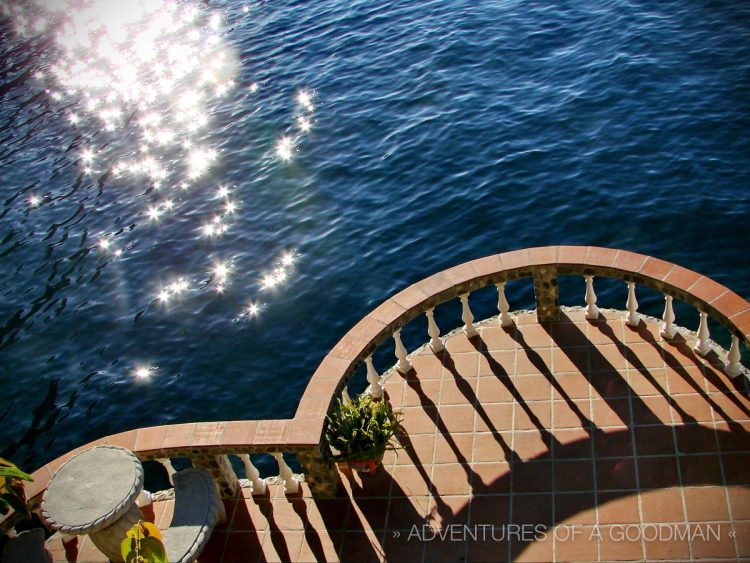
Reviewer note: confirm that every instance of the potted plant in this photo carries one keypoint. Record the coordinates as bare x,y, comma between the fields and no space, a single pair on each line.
360,430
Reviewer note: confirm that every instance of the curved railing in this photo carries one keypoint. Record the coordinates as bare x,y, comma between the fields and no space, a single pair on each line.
543,265
208,444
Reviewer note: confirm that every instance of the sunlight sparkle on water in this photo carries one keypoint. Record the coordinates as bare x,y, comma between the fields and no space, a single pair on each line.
220,275
304,124
163,61
180,285
287,145
141,80
280,273
268,281
143,372
285,148
216,227
304,99
275,278
221,270
174,289
153,213
199,161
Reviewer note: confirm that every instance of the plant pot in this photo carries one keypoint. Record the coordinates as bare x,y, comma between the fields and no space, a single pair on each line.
366,466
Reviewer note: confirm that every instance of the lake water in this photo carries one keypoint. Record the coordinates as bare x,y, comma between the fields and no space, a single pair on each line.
200,199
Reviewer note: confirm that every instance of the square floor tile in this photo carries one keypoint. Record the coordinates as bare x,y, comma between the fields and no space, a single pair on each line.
451,479
706,504
615,474
617,507
662,505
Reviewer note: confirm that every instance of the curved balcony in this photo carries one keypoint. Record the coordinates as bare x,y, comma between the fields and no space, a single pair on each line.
555,434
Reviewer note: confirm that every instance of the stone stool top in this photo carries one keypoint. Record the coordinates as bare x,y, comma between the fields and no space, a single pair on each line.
93,489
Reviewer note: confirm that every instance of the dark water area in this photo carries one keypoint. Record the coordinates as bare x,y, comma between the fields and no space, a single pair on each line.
439,132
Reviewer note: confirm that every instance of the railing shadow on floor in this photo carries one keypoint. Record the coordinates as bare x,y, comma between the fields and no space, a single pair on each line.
361,524
586,423
488,508
471,397
428,404
389,518
679,343
238,534
670,361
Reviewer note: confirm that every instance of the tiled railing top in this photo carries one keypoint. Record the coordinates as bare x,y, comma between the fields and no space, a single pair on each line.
718,301
175,440
305,429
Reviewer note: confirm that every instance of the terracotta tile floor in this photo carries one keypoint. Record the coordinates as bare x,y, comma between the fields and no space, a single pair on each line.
635,449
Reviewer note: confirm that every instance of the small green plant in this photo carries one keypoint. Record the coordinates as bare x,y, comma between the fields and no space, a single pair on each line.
12,494
361,429
143,544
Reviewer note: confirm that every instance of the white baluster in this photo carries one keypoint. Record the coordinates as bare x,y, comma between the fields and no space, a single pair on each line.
734,367
375,389
701,347
436,343
345,398
404,365
668,329
259,485
291,483
144,498
503,306
632,317
592,311
467,317
167,463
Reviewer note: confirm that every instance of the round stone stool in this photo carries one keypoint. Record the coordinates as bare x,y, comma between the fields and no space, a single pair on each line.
94,493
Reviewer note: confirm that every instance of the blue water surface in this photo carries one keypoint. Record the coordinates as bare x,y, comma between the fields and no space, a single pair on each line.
442,131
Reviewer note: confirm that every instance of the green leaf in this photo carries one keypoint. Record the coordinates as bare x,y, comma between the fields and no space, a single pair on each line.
8,469
143,543
153,550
